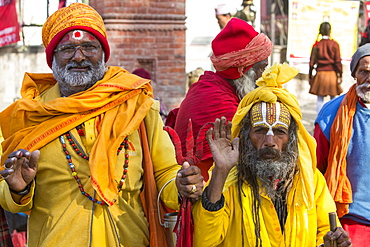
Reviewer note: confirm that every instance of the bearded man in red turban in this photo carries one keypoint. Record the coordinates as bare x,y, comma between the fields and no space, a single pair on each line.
239,56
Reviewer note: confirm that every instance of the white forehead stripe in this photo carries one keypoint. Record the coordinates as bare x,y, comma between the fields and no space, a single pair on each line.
264,118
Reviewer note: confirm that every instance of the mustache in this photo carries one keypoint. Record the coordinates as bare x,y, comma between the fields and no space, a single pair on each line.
267,152
76,64
365,85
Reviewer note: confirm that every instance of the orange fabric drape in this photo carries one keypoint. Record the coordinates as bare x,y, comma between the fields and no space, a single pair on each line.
149,196
120,99
340,135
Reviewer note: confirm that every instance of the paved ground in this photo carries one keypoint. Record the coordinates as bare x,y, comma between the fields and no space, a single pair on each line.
300,87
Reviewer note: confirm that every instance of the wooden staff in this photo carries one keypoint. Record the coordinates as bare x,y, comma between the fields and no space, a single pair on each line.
333,226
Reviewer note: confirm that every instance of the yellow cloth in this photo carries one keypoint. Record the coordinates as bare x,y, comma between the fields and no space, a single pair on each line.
62,216
270,90
120,99
224,228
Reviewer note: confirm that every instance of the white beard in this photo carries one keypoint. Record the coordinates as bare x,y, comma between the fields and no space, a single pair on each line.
362,93
245,83
72,82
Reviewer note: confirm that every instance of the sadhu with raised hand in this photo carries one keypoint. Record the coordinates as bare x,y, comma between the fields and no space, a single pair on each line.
265,189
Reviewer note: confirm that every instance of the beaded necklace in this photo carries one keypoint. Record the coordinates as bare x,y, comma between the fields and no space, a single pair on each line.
72,141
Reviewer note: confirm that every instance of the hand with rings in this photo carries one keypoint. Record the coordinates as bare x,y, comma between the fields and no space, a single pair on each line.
20,169
194,189
189,181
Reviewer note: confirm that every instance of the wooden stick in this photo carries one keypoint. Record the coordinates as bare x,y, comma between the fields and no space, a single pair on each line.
333,226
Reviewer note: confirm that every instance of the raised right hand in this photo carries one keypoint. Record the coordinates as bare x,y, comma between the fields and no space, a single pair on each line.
20,168
224,151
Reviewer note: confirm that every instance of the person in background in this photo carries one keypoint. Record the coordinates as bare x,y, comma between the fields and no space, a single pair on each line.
193,76
5,236
365,36
342,133
223,14
84,149
325,59
146,75
265,189
239,57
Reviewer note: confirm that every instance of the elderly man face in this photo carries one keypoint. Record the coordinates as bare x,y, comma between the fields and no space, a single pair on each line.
362,76
270,129
268,146
78,62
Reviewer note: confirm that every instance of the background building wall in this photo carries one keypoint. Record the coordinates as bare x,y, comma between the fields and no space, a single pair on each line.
149,34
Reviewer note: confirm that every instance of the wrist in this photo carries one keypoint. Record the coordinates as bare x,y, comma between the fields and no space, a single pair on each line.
23,192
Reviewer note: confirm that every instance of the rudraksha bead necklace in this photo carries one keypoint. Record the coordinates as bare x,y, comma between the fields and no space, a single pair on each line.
76,148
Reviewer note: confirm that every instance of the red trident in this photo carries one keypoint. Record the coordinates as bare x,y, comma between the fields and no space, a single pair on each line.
184,225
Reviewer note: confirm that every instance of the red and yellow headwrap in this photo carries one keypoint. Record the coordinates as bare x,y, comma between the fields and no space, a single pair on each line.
75,16
237,48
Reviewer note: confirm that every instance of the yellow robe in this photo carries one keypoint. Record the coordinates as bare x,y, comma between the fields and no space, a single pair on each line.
62,216
229,227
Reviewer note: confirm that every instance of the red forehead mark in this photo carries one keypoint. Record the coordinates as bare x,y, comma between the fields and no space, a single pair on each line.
65,38
77,35
91,37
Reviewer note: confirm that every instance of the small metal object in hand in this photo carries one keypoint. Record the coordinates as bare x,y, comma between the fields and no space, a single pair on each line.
193,189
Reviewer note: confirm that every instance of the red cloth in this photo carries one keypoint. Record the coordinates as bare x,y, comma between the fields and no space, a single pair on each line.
210,98
171,118
359,233
9,25
19,239
322,149
5,237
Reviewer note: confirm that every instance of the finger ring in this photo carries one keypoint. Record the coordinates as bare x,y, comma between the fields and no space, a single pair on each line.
6,177
11,167
194,188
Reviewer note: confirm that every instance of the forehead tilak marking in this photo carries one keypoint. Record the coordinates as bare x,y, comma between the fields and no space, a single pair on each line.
77,34
265,121
65,38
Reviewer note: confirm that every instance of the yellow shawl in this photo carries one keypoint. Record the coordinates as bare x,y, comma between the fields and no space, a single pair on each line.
120,99
270,90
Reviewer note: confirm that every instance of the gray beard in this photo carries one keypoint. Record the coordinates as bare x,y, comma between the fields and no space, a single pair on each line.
73,82
364,95
268,171
245,83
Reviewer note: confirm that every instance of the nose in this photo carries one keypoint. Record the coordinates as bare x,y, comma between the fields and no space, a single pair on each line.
269,141
78,55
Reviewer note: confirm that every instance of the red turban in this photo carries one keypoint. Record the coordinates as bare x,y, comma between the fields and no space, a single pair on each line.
237,48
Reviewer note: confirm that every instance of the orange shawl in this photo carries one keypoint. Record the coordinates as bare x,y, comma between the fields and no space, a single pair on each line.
340,135
120,99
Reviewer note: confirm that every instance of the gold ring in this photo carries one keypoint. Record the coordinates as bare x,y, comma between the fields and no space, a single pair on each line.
194,188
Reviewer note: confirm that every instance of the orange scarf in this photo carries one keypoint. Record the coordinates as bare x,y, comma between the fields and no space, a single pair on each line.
340,135
120,99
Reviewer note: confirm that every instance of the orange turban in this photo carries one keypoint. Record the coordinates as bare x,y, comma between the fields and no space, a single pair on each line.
75,16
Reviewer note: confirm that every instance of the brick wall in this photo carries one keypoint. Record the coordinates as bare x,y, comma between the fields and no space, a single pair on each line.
149,34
